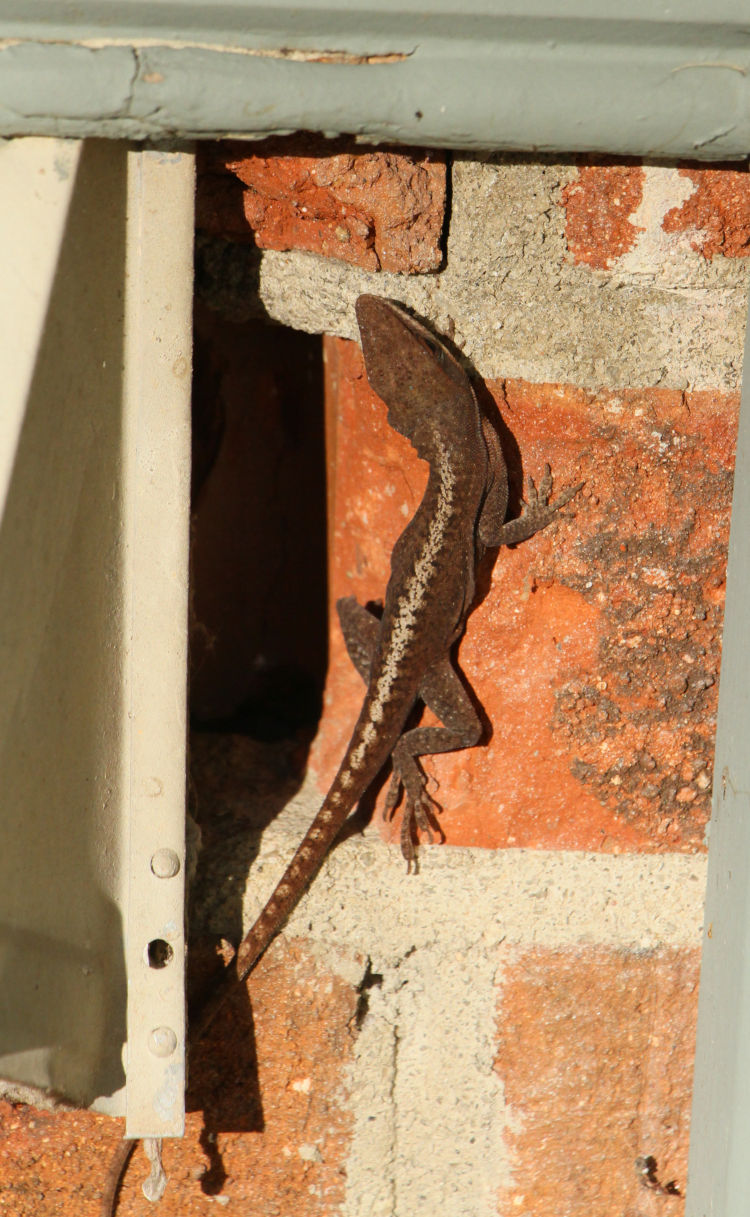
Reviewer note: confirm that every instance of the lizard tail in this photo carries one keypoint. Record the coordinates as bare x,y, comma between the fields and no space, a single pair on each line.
297,877
115,1176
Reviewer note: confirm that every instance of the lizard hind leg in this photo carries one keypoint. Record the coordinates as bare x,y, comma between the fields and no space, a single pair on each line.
445,695
360,628
421,810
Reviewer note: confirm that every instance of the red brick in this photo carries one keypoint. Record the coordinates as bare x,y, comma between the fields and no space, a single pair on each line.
379,209
596,649
596,1058
52,1164
598,206
599,203
717,212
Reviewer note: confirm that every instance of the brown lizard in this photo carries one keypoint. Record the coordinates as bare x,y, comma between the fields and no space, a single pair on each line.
404,656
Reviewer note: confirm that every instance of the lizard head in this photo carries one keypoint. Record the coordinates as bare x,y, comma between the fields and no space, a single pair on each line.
414,372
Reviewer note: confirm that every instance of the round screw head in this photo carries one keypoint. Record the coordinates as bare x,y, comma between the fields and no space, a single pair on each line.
162,1041
165,864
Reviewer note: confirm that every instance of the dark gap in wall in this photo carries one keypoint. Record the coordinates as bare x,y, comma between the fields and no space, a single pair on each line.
258,544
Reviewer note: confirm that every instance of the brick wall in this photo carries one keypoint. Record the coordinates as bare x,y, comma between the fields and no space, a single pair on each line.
510,1030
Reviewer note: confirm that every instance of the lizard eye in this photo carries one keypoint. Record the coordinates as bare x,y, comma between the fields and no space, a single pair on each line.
436,349
447,362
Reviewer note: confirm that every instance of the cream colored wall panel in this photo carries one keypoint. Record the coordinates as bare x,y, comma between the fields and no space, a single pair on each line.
94,362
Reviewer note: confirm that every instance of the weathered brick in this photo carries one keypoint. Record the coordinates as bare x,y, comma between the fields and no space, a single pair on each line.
52,1164
598,208
595,651
381,209
717,214
596,1058
603,201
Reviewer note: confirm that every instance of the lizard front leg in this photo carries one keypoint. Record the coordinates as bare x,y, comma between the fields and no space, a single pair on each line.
536,513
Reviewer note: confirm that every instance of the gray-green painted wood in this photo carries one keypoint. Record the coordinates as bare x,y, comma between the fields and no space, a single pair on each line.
653,79
719,1169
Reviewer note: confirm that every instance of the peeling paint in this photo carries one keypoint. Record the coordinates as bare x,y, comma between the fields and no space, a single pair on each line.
294,54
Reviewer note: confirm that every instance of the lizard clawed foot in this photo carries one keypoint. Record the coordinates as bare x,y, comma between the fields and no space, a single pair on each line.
538,497
420,815
537,512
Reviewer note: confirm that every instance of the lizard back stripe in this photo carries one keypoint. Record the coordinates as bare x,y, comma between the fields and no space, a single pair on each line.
407,616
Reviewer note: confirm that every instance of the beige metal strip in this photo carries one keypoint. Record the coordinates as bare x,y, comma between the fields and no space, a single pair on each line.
158,310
